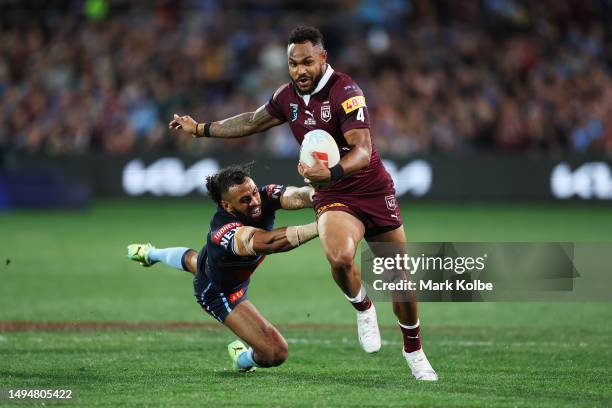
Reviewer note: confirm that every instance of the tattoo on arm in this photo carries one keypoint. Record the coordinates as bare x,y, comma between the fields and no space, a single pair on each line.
295,198
244,124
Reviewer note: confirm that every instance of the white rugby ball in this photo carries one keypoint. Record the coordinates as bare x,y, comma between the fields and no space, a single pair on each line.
323,145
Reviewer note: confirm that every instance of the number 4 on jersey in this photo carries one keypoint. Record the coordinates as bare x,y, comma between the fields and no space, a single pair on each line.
360,115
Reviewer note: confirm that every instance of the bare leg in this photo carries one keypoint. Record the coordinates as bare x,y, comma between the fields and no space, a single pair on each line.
407,315
191,261
406,312
340,233
269,346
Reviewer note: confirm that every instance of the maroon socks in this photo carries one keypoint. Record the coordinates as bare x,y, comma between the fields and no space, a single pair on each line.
365,304
360,302
412,337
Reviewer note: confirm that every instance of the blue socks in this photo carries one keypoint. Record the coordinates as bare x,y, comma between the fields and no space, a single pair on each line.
245,360
170,256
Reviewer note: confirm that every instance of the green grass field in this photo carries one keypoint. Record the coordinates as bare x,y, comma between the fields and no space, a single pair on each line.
71,267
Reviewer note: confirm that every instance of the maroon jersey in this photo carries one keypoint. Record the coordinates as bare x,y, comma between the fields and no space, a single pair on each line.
336,106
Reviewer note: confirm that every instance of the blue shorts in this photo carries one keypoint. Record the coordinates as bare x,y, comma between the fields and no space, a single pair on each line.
217,304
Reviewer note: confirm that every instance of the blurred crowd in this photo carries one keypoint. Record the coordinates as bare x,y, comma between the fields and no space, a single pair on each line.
439,76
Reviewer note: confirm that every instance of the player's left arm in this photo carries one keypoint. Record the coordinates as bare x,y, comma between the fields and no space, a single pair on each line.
295,198
361,151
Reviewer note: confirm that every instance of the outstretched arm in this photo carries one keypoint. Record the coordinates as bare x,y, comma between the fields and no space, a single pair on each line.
250,241
295,198
244,124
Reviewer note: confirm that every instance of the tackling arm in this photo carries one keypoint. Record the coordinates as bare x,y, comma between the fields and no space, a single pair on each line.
250,241
295,198
244,124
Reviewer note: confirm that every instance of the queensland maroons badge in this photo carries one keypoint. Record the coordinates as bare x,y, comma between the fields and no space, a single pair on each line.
325,113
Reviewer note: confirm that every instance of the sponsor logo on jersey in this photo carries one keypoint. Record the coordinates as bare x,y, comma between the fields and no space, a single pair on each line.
236,295
391,202
227,238
293,109
353,103
326,207
310,121
224,234
325,113
274,191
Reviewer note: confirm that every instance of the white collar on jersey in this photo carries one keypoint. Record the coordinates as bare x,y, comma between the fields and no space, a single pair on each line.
324,79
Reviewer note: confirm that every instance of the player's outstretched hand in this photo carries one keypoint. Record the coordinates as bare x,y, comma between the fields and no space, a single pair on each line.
185,123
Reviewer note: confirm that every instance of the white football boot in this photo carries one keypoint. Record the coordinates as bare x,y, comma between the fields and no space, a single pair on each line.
419,365
367,330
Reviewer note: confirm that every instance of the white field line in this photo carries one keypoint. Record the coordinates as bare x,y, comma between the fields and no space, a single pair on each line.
350,341
328,342
448,343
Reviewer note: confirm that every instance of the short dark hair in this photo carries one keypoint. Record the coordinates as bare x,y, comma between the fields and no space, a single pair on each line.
220,182
302,34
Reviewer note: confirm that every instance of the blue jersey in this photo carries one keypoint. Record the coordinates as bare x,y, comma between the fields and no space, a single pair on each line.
227,271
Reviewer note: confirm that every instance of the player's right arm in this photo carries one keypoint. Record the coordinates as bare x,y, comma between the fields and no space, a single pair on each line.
244,124
251,241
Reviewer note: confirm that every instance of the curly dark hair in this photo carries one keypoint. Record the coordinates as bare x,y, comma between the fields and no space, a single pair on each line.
302,34
224,179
